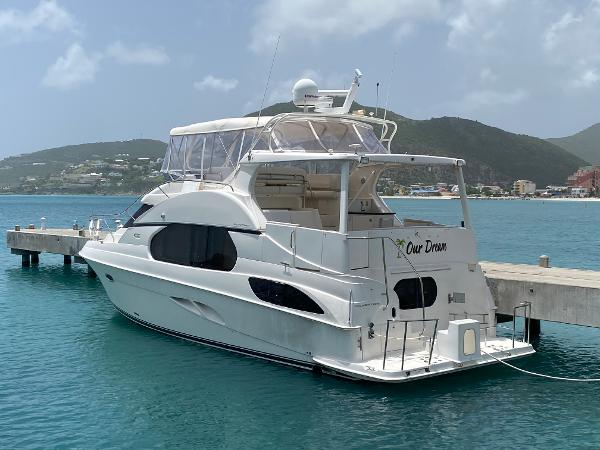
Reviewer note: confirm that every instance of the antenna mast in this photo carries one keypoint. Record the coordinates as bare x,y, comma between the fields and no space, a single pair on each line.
387,95
268,79
377,100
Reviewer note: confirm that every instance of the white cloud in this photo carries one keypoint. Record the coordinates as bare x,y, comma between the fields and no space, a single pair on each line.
487,75
587,79
141,54
311,20
216,84
474,21
488,98
403,31
47,16
573,38
73,69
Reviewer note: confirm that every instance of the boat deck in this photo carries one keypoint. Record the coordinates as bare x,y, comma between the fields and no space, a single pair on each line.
416,364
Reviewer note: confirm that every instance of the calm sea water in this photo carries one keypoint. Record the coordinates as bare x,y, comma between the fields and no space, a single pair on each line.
74,373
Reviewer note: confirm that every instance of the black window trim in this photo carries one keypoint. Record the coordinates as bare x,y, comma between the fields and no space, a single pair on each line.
315,308
164,226
418,302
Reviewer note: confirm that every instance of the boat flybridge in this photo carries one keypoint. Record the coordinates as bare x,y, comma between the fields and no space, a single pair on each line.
269,239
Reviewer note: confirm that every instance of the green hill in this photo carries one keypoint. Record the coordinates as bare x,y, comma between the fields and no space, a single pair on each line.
49,170
585,144
493,155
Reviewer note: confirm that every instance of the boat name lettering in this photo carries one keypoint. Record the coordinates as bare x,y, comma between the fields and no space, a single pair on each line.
428,247
362,305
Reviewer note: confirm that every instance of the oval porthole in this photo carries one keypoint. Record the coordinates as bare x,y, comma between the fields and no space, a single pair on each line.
109,277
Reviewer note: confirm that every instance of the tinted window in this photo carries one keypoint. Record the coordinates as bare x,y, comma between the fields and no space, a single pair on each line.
195,245
142,209
283,295
409,292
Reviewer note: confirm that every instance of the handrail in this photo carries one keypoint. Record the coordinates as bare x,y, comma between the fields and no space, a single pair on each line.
406,321
274,121
527,325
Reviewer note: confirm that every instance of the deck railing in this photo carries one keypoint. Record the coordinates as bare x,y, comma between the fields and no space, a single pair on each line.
404,337
526,307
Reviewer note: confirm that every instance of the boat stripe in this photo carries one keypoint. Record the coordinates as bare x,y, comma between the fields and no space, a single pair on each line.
164,224
229,347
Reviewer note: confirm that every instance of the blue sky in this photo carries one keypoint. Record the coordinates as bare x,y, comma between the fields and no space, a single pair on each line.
76,71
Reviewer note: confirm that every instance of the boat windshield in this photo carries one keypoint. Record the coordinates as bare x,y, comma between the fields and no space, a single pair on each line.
324,135
210,156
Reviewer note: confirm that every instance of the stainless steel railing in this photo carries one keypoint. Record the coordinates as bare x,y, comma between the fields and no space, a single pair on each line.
404,337
526,307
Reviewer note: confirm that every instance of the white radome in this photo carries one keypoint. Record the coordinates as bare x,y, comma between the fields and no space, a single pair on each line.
305,93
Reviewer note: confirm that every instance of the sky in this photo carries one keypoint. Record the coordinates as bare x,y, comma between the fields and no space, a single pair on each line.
75,72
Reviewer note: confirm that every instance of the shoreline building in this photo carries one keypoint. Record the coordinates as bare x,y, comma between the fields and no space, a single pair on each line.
586,177
524,187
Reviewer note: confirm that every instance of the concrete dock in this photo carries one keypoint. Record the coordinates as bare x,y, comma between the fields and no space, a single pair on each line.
556,294
30,242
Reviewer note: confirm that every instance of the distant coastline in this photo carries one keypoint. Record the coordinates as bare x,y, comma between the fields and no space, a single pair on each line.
537,199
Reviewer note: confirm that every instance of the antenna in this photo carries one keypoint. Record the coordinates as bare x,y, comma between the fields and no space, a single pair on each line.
267,83
387,95
377,100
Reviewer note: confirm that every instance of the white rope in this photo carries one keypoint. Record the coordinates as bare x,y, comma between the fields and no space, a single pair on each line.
541,374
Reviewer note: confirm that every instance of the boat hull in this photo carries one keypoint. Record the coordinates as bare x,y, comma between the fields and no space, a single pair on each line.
170,308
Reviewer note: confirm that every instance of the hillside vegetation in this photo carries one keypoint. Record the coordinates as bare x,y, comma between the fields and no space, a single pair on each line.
585,144
61,169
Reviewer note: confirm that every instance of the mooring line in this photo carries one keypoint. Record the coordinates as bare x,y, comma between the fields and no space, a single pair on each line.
543,375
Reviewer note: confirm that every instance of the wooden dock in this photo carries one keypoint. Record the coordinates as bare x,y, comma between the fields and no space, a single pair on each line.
30,242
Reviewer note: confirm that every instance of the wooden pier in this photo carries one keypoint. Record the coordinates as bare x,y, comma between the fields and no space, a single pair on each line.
30,242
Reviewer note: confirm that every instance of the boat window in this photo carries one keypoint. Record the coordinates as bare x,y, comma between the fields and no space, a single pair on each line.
409,292
212,156
318,135
283,295
201,246
141,210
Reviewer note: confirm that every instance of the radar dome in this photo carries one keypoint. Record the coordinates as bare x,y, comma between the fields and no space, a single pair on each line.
305,93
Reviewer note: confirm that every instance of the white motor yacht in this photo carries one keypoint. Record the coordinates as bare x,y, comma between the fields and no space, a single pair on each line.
270,239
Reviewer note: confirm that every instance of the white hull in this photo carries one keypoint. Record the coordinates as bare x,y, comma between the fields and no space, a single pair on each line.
157,304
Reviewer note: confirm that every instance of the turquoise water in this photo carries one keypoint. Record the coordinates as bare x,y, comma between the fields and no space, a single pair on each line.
74,373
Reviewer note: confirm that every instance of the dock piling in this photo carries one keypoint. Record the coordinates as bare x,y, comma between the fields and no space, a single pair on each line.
67,260
35,258
534,328
25,260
